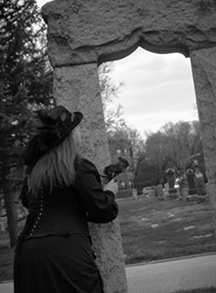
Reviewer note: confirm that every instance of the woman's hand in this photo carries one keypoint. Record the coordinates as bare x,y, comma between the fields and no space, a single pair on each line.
112,185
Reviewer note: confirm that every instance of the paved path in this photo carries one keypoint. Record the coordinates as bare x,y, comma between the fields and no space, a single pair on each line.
165,276
169,276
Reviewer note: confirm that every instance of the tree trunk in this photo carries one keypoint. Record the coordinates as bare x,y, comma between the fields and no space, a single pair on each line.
10,206
11,217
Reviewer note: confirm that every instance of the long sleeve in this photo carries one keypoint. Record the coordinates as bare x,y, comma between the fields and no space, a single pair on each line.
100,205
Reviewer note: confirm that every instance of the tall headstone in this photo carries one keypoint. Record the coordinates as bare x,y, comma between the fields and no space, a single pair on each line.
199,180
184,186
191,181
170,174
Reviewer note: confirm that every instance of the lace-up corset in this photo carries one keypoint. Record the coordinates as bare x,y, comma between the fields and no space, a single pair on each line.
57,213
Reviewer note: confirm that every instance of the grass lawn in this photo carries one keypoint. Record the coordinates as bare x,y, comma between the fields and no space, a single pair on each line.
151,230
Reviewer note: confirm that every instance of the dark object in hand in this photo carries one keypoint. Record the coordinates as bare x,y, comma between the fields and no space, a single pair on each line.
112,170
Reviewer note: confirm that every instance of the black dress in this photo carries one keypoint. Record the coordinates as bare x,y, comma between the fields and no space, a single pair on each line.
54,252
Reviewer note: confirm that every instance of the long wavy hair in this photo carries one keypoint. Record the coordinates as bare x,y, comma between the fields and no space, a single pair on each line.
56,168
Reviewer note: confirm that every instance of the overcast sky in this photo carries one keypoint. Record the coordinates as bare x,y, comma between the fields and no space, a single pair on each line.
157,89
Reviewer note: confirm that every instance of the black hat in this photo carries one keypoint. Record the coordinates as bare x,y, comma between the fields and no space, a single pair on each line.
56,124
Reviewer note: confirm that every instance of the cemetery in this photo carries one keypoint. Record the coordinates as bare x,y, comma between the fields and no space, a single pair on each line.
81,36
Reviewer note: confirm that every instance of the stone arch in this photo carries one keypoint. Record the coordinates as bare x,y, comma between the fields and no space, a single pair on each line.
83,34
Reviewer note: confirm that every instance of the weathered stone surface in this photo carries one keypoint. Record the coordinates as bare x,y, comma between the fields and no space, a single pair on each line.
77,88
108,246
204,73
95,31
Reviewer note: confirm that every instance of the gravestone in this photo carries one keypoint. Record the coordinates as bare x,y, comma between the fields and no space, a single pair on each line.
200,186
170,174
83,34
184,186
191,182
199,182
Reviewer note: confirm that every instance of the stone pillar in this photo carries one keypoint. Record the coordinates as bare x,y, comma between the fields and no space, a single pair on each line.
77,88
204,73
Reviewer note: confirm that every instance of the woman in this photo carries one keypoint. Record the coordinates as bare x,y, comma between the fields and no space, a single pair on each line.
62,192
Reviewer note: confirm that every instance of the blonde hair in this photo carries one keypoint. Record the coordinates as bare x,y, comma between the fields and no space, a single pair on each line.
56,167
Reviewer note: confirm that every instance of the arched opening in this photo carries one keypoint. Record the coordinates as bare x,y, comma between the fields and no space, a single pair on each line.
158,88
158,97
